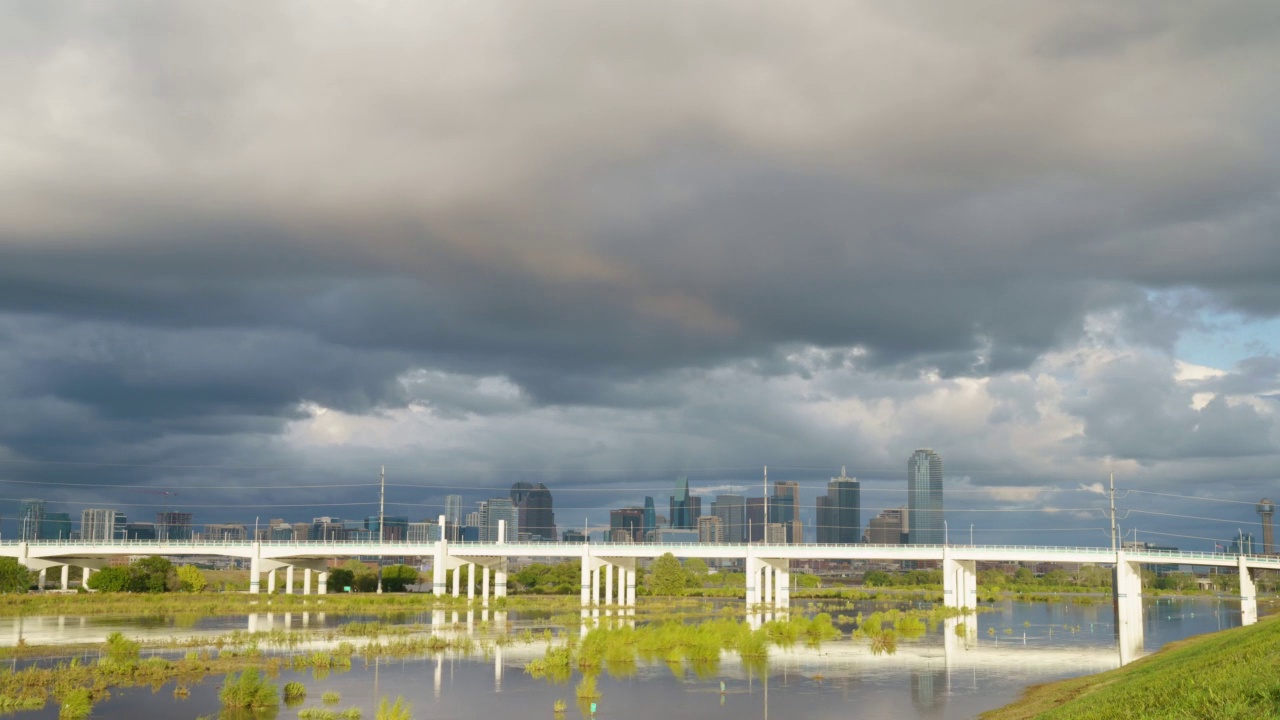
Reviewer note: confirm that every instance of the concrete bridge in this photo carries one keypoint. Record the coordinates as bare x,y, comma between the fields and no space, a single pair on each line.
609,570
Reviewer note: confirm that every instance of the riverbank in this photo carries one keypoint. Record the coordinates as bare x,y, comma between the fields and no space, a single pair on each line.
1228,675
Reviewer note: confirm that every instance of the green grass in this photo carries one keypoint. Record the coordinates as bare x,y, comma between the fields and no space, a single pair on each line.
249,690
1228,675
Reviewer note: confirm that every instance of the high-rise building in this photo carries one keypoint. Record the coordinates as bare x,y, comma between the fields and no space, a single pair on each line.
755,519
323,529
30,516
791,489
573,536
98,525
710,529
225,532
172,525
840,511
493,513
140,531
453,514
1243,544
626,525
534,508
1267,510
55,526
732,511
888,528
650,518
924,498
682,517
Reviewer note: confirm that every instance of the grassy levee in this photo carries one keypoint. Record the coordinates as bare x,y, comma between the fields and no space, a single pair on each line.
1232,674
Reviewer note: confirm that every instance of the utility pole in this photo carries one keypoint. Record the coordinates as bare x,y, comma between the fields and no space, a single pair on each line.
382,531
764,535
1113,512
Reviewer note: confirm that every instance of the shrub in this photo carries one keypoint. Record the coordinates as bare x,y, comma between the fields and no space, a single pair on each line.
249,690
294,691
399,711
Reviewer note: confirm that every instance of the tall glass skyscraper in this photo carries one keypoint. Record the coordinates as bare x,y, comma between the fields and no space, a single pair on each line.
682,512
534,507
650,518
840,511
924,498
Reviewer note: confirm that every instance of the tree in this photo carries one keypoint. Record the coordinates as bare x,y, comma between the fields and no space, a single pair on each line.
153,574
666,576
190,579
877,578
396,577
340,578
696,572
111,579
14,576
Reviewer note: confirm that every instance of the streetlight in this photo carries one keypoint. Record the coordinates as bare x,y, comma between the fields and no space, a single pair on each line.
944,533
970,534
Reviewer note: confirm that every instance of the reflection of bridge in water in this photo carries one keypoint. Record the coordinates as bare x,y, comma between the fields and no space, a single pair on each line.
610,570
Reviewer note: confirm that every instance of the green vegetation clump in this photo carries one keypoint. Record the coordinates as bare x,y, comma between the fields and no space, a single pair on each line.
317,714
190,579
76,703
1228,675
331,697
14,576
148,575
400,710
294,692
248,691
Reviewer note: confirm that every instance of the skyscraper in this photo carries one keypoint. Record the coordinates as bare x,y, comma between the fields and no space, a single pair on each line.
453,515
534,507
888,528
172,525
791,489
30,517
98,524
1267,510
924,498
682,506
755,519
732,511
56,526
626,525
650,518
840,511
491,513
710,529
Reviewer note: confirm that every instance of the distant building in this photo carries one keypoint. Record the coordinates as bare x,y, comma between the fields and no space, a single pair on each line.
626,525
1243,544
493,513
173,525
675,535
840,511
453,514
710,530
776,533
924,498
55,526
140,531
573,536
324,529
30,517
755,519
534,510
98,525
888,528
282,532
732,513
395,528
682,511
1267,511
791,489
225,532
650,518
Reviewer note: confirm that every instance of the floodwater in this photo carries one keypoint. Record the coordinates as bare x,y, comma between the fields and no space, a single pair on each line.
940,675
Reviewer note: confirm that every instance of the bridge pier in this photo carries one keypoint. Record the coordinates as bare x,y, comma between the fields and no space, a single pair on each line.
271,582
306,581
324,582
471,582
457,582
500,578
84,577
1127,592
66,577
484,587
439,565
608,583
255,570
752,567
1248,595
43,574
288,580
959,582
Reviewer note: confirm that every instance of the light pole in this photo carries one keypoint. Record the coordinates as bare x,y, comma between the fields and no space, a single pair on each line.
382,531
1239,541
255,528
970,534
945,534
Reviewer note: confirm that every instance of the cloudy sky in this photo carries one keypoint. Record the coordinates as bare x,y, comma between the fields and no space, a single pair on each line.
249,253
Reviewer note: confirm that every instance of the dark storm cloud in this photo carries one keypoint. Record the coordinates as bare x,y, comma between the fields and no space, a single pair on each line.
625,224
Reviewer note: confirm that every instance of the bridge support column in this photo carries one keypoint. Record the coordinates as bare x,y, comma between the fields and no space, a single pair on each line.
306,581
595,586
255,570
84,577
500,578
608,584
288,580
631,587
484,587
1127,591
471,583
457,582
271,582
439,564
43,574
752,580
66,577
784,585
959,582
324,583
1248,595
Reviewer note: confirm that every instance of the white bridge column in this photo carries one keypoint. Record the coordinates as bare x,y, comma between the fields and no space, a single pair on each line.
500,579
255,570
959,582
84,577
484,587
271,582
784,584
631,586
457,582
66,577
608,584
288,580
324,582
1127,591
439,563
471,582
1248,595
43,574
752,580
585,588
306,581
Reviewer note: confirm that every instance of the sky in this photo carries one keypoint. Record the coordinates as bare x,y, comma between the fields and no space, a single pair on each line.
252,253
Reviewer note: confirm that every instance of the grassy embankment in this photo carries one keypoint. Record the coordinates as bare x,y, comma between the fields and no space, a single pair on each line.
1228,675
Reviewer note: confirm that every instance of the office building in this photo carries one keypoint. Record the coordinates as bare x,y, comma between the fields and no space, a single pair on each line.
888,528
453,514
791,489
225,532
172,525
323,529
536,517
421,532
1267,511
682,511
30,517
710,529
494,512
281,532
650,518
776,533
675,535
98,524
755,519
55,526
573,536
140,531
732,512
840,511
626,525
924,498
